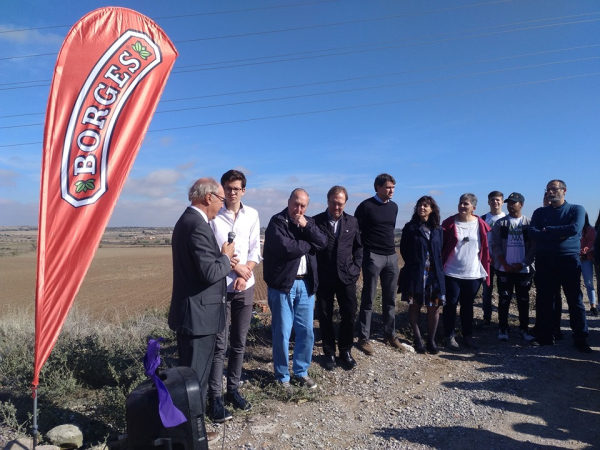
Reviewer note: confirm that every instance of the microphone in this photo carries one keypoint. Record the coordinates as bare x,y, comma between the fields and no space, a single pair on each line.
230,237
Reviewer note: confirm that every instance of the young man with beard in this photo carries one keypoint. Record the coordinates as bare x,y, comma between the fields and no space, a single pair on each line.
514,253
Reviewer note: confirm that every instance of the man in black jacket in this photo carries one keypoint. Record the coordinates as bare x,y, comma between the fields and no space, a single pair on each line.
290,271
338,266
197,310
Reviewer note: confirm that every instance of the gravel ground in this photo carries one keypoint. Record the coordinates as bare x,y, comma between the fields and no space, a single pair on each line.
505,396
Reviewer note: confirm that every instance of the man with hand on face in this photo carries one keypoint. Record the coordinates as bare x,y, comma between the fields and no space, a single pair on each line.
377,221
290,271
557,230
514,253
244,222
197,312
338,266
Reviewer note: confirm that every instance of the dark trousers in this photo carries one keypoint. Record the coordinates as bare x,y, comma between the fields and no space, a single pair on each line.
520,284
486,295
385,268
346,298
197,352
239,316
463,292
552,272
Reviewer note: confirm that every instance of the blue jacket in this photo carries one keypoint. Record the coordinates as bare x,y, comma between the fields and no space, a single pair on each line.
285,244
413,247
558,230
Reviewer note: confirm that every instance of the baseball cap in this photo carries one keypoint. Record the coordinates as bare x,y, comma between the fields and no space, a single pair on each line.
515,197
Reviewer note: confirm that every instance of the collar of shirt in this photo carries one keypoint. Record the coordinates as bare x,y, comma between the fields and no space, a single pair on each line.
334,223
202,213
379,200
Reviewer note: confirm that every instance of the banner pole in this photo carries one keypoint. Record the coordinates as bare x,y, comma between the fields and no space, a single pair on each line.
35,425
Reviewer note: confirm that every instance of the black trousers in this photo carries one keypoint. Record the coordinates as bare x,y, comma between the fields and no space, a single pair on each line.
346,298
520,283
197,352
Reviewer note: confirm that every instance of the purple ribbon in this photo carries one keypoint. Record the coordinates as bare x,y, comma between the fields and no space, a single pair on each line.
169,414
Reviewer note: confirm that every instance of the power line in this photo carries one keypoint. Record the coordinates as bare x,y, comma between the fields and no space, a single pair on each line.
185,15
366,77
322,25
344,91
345,108
177,71
352,47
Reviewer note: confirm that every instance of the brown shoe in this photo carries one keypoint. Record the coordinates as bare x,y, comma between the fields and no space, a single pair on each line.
393,341
365,346
212,436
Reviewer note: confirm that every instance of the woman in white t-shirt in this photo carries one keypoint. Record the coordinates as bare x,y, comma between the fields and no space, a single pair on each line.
465,255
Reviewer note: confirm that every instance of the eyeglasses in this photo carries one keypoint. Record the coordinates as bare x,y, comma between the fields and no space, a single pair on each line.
554,190
219,197
233,190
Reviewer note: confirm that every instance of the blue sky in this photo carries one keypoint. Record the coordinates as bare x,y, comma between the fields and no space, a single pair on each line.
447,96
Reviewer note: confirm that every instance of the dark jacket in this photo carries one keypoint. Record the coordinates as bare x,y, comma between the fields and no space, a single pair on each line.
413,247
342,257
285,244
199,271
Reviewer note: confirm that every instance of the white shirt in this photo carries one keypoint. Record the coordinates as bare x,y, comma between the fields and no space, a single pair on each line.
246,227
464,261
515,245
491,219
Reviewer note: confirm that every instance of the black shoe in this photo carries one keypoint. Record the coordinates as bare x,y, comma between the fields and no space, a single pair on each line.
329,362
594,311
432,348
558,336
236,400
348,361
418,345
217,411
583,347
486,323
537,342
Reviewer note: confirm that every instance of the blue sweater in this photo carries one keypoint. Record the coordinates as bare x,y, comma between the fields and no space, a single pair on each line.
558,230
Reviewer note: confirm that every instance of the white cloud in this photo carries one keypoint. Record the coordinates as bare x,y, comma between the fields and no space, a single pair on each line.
157,184
13,213
8,178
29,37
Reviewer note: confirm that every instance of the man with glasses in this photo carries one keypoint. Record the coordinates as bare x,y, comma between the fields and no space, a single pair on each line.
557,230
244,222
197,312
339,266
290,271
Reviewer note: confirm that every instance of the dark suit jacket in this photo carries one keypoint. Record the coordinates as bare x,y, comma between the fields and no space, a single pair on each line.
341,259
199,285
285,244
414,246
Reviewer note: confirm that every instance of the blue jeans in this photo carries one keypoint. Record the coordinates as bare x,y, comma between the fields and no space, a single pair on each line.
552,272
587,269
294,309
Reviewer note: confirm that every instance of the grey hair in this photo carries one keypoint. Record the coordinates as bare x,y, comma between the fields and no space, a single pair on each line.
295,193
201,188
468,196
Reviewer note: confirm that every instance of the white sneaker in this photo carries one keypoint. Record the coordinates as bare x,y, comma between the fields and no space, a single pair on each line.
526,336
503,335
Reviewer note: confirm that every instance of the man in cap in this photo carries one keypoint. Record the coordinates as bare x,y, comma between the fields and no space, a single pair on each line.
514,254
